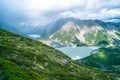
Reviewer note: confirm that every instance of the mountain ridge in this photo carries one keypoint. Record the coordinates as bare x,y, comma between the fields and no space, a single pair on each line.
90,32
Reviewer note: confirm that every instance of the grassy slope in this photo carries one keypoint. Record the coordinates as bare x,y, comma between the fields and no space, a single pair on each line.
107,59
25,59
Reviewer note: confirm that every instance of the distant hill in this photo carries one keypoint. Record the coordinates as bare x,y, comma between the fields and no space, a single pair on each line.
25,59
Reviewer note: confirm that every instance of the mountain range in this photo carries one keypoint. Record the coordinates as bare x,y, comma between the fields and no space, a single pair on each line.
71,31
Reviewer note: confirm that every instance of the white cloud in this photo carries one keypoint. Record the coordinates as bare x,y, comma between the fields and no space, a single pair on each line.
83,9
36,8
44,5
102,14
110,13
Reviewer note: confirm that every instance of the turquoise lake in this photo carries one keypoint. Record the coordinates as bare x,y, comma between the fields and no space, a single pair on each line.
78,52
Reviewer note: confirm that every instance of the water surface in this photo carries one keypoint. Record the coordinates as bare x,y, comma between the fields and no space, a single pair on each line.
78,52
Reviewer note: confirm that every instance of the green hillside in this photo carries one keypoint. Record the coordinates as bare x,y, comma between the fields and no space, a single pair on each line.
25,59
106,59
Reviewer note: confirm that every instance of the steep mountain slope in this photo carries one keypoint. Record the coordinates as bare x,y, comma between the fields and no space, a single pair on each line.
106,59
89,32
25,59
66,34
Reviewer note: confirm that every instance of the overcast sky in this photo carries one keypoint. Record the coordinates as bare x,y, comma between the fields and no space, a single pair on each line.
47,10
